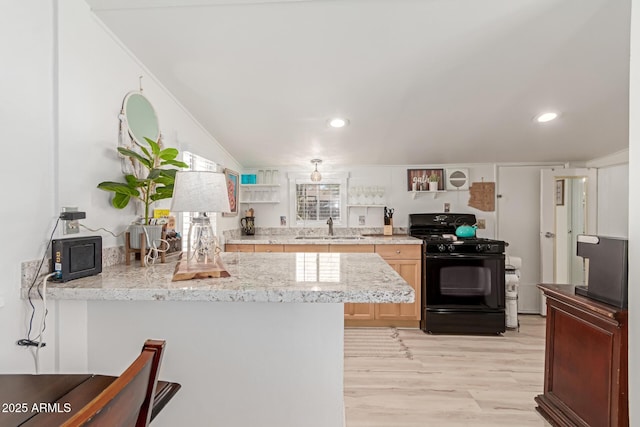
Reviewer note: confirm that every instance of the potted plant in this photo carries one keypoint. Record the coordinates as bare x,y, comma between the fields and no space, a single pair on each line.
149,181
433,181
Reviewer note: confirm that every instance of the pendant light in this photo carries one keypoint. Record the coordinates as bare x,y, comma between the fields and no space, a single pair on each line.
315,175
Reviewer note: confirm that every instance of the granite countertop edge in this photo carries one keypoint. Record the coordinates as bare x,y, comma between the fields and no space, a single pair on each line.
364,278
335,240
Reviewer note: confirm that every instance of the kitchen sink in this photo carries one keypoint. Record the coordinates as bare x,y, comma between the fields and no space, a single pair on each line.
329,238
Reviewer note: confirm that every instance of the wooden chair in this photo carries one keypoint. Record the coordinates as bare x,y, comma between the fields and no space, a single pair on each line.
128,401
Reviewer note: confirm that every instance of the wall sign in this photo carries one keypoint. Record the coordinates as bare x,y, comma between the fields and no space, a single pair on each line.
418,179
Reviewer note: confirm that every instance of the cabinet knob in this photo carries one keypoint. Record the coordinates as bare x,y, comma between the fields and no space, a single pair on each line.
398,251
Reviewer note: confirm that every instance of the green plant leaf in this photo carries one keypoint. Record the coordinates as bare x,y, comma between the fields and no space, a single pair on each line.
165,180
171,173
145,151
154,174
177,163
165,189
160,196
155,147
118,188
130,153
120,201
168,154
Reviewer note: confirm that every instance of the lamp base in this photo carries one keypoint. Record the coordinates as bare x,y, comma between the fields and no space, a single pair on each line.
198,270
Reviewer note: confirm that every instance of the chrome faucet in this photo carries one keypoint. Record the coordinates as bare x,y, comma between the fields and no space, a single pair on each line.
330,222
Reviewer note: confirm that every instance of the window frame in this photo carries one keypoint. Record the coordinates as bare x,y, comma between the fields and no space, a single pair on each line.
340,178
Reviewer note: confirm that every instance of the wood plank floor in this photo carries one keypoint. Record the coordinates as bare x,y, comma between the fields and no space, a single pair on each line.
406,378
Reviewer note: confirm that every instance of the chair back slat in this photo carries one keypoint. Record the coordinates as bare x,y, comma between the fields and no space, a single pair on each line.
127,402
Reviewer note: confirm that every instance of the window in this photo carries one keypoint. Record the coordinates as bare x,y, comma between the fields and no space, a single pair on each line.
312,203
196,163
318,202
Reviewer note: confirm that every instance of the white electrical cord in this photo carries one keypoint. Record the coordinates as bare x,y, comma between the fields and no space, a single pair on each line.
40,337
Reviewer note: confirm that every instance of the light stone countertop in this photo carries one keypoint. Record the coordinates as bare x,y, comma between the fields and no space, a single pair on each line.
265,239
255,277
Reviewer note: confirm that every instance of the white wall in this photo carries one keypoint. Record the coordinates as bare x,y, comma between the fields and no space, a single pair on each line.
613,201
394,179
62,92
634,212
27,134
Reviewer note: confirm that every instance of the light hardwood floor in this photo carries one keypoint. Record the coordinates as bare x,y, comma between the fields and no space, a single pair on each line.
406,378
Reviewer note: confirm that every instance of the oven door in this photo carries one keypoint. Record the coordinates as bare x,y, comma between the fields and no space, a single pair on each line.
464,282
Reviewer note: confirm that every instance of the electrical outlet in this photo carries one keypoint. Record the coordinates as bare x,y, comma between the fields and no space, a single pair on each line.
481,224
361,220
447,207
70,227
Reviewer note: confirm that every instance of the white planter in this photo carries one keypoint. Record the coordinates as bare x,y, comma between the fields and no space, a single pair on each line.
153,235
433,186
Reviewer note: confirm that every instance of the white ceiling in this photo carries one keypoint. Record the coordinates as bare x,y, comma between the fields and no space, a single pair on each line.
421,81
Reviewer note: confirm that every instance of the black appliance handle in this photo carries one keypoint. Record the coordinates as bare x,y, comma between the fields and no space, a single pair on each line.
464,256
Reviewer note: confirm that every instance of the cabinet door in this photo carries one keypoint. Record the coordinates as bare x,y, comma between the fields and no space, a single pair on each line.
350,248
358,311
238,248
306,248
410,271
269,248
390,252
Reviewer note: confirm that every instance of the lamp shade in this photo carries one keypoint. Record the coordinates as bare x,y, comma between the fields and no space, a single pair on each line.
200,191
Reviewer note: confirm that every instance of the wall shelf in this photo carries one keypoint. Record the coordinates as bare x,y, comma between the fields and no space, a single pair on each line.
259,193
414,194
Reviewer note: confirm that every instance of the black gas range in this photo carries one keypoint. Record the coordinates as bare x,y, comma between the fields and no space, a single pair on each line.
463,278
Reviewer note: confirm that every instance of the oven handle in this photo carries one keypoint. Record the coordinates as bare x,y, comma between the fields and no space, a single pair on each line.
464,256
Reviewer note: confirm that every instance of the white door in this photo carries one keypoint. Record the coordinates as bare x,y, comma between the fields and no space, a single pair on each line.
554,231
518,207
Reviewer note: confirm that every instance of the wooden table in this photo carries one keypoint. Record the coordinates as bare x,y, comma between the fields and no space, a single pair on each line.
49,400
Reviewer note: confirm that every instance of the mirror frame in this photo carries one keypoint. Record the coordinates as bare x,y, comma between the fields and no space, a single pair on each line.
141,118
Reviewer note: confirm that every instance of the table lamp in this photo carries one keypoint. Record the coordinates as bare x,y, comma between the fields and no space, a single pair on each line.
200,192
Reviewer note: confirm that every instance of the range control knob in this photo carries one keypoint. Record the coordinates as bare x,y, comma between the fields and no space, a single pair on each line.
451,248
441,247
481,248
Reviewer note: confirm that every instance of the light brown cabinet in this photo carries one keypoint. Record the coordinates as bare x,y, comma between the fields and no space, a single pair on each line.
269,248
409,269
230,247
306,248
406,260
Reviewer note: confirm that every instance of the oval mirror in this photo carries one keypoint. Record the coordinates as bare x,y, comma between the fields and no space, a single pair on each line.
141,117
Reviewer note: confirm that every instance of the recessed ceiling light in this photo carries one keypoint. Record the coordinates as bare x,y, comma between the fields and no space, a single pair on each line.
546,117
338,122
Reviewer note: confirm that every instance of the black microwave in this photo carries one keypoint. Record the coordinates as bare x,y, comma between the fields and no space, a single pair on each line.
76,257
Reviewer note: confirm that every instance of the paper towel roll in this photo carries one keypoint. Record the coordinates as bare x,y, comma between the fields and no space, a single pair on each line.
511,279
513,261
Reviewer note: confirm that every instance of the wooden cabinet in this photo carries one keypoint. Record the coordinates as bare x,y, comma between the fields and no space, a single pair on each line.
269,248
586,361
306,248
409,269
239,248
407,261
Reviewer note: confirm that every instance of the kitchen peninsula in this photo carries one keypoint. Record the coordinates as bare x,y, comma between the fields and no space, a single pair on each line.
262,347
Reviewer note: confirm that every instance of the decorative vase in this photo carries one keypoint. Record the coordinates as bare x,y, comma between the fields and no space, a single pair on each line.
433,185
153,234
